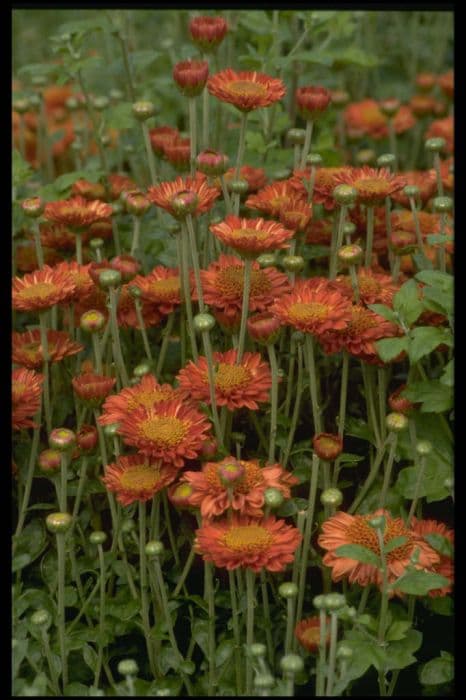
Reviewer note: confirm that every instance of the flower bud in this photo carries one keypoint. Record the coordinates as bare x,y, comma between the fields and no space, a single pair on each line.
365,156
296,136
258,650
339,98
72,104
142,369
191,76
312,101
40,618
128,526
238,437
21,105
291,663
435,144
349,229
263,681
96,243
100,103
411,191
319,602
350,254
58,523
97,537
210,448
327,446
33,207
49,460
143,110
389,107
344,652
331,497
154,548
87,437
386,160
208,32
334,601
184,203
396,422
109,278
116,95
273,498
314,160
62,439
398,403
281,174
230,471
126,265
135,202
267,260
128,667
402,242
203,323
264,328
212,163
425,81
345,195
111,430
378,522
442,205
423,447
293,263
239,186
179,495
92,321
288,590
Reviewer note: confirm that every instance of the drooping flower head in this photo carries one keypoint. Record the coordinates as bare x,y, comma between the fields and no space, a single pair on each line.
146,393
241,385
137,478
191,76
77,212
223,283
343,528
27,347
244,494
41,289
246,90
163,195
160,136
26,395
172,431
251,237
249,543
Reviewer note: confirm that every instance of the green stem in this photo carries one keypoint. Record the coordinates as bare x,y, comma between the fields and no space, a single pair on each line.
241,144
144,584
129,80
273,401
393,439
149,154
309,348
189,230
95,126
168,523
250,596
370,478
184,266
163,348
320,670
80,489
185,572
442,262
289,384
382,385
116,236
97,353
342,410
417,488
205,118
209,594
50,663
63,482
337,243
332,653
438,174
236,631
369,235
46,370
392,142
60,537
383,609
417,226
211,375
29,477
245,308
136,236
226,195
192,133
370,403
116,337
142,328
100,653
290,622
297,404
307,143
38,246
267,617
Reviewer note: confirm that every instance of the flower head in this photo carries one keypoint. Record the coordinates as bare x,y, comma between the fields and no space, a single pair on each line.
77,212
327,445
374,287
178,153
213,496
162,195
255,177
365,116
161,287
191,76
359,336
171,431
137,478
223,282
343,528
41,289
27,347
312,100
444,567
307,632
372,185
126,310
208,32
296,214
119,183
236,385
146,393
161,136
246,90
88,190
445,129
251,237
79,274
424,180
26,395
272,198
92,388
247,542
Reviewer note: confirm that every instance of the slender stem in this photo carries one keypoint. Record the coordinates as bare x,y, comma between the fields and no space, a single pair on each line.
38,246
267,617
311,502
438,174
441,257
60,537
184,265
189,230
136,236
370,403
245,308
80,489
289,385
22,137
142,328
250,595
185,572
396,673
192,132
97,353
417,226
393,439
342,410
369,235
236,631
417,488
171,536
382,385
290,622
144,584
297,404
370,478
273,401
211,375
100,652
149,154
129,80
307,143
63,482
116,236
309,348
29,477
332,653
46,370
392,142
241,144
320,670
116,337
209,594
93,118
383,608
226,195
205,118
50,663
338,243
163,348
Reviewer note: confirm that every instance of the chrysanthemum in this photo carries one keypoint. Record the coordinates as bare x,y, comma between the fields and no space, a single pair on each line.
272,198
314,307
365,116
245,495
374,287
27,348
137,478
171,431
223,281
319,232
160,136
255,177
88,190
343,528
26,256
146,393
324,184
246,90
79,274
178,153
403,220
307,632
247,542
424,180
208,32
162,195
445,129
296,214
57,236
251,237
161,287
445,565
41,289
359,336
92,388
371,184
119,183
236,385
77,212
26,394
126,311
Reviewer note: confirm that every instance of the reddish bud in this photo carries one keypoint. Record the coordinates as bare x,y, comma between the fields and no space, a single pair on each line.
212,163
50,460
209,448
399,404
87,437
327,446
230,471
425,81
179,495
208,32
126,265
191,76
135,202
33,207
312,101
264,328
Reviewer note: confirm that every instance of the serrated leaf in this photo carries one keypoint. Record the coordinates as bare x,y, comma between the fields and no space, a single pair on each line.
384,311
389,348
437,671
448,377
434,396
426,339
420,582
440,544
359,553
400,654
407,303
397,630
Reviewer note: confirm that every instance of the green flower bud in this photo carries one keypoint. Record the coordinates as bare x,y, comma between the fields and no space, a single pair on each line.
58,523
154,548
128,525
378,523
273,498
21,105
143,110
33,207
334,601
319,602
72,104
296,136
411,190
344,194
344,652
350,254
258,650
264,681
435,145
442,205
109,278
423,447
128,667
291,663
92,321
240,438
116,95
203,323
184,203
100,103
365,156
111,430
281,174
288,590
239,186
142,369
314,160
96,243
331,497
396,422
40,618
97,537
386,160
349,228
293,263
267,260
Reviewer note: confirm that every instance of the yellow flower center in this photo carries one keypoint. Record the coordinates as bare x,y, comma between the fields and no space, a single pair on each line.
247,88
360,532
230,377
164,289
230,282
368,285
245,234
361,321
18,390
39,289
372,186
140,477
164,431
248,538
308,311
147,398
311,635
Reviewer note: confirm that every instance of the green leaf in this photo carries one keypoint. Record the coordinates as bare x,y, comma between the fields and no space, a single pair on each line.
359,553
356,427
21,170
397,630
420,582
67,180
438,300
75,690
437,671
434,397
83,26
442,605
440,544
434,278
407,303
168,658
347,459
448,377
389,348
354,55
120,116
394,543
200,634
89,656
426,339
384,311
432,483
224,651
400,653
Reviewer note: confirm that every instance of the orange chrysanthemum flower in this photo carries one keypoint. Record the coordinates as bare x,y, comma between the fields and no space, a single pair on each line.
343,528
445,565
251,237
255,177
223,283
371,184
92,388
324,184
79,274
26,395
246,90
247,542
137,478
445,129
314,306
365,116
126,310
77,212
171,431
119,183
41,289
57,236
161,136
272,198
27,348
161,287
26,256
147,393
319,232
88,190
426,182
208,32
307,632
359,336
296,214
374,287
162,195
236,386
245,494
178,153
403,220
